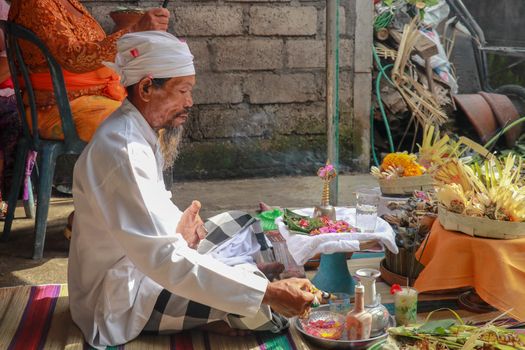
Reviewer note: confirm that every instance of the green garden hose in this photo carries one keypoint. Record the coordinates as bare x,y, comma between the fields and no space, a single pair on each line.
504,130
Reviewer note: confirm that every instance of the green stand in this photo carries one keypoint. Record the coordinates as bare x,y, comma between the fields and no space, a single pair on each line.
333,275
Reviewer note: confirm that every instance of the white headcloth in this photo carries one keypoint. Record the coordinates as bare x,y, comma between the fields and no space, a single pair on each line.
156,54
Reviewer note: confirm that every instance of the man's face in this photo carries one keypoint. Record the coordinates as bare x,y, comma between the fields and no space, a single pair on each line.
169,105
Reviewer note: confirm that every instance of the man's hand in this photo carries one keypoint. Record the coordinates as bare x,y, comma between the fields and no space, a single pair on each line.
289,297
154,19
191,225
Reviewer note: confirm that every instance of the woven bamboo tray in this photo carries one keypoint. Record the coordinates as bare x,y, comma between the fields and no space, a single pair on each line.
406,185
480,227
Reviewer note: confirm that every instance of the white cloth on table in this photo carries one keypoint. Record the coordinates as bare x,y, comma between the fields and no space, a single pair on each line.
125,249
303,247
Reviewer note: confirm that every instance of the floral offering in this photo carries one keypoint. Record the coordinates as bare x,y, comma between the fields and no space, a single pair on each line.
399,164
325,328
315,226
493,189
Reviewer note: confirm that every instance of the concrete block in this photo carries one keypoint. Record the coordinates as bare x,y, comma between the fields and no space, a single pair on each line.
362,101
299,119
201,55
363,37
233,122
208,20
342,20
247,54
311,53
345,88
307,53
217,88
346,53
265,20
273,88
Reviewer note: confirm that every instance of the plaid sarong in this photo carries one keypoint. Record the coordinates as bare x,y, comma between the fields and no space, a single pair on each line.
173,313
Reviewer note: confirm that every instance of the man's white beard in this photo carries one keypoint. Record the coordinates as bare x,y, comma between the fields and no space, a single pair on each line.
169,139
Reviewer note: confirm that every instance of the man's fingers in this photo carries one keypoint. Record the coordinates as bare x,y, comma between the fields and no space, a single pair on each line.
201,231
195,207
159,11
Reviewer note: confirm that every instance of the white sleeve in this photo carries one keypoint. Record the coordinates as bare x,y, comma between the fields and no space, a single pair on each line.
143,221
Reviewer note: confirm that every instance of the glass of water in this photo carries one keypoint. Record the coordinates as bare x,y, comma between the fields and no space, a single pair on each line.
367,201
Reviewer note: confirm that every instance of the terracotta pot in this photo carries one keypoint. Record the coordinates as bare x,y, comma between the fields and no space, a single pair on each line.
505,113
125,18
479,114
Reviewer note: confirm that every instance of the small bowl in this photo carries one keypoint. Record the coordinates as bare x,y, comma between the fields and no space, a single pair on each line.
324,325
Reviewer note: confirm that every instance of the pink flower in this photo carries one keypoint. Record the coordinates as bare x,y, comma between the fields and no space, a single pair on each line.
326,170
303,223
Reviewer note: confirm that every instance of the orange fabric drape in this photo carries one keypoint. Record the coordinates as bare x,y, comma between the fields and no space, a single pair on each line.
495,268
79,81
88,113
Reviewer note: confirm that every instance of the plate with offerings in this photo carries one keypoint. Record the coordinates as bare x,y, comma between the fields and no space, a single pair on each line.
306,225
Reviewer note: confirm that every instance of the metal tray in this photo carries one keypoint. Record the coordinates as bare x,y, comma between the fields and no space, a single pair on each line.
339,344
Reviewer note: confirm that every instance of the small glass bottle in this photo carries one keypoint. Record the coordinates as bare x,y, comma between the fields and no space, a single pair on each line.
380,314
358,320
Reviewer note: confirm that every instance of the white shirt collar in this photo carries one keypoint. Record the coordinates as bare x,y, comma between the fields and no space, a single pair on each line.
149,134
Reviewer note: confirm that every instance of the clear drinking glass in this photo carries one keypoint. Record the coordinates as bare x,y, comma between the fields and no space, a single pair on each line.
405,304
367,201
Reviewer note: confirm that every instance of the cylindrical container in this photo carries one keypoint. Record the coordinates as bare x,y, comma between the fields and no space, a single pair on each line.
367,201
405,304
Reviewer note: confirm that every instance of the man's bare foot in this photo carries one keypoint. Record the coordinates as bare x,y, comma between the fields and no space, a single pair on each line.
271,270
222,328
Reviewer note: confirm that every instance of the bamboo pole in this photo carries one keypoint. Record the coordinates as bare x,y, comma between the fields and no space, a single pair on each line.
332,87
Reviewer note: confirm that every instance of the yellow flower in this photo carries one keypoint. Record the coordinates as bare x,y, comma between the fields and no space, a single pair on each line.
403,160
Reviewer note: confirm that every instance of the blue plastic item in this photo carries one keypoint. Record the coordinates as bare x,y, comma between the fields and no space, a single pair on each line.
333,275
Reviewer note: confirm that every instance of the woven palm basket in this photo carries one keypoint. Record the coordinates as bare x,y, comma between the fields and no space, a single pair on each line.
480,227
406,185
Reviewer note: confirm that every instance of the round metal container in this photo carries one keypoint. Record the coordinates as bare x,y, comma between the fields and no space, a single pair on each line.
321,312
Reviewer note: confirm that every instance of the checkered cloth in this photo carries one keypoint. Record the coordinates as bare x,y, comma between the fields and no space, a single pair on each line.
173,313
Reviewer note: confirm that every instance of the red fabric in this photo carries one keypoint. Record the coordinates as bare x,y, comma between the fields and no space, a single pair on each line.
32,326
8,83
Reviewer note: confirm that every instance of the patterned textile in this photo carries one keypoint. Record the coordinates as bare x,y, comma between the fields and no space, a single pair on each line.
37,317
80,46
224,226
72,35
173,313
10,131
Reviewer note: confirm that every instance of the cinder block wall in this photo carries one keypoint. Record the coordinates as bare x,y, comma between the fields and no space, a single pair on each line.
259,100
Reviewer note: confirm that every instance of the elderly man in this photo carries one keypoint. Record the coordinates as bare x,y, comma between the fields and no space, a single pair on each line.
132,262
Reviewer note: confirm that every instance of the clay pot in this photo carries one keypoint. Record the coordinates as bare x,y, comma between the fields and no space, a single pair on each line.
505,113
479,113
125,18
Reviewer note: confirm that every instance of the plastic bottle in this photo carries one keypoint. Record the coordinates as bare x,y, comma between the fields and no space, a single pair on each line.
358,320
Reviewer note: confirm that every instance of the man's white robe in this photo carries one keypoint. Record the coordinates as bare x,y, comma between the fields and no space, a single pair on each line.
125,248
